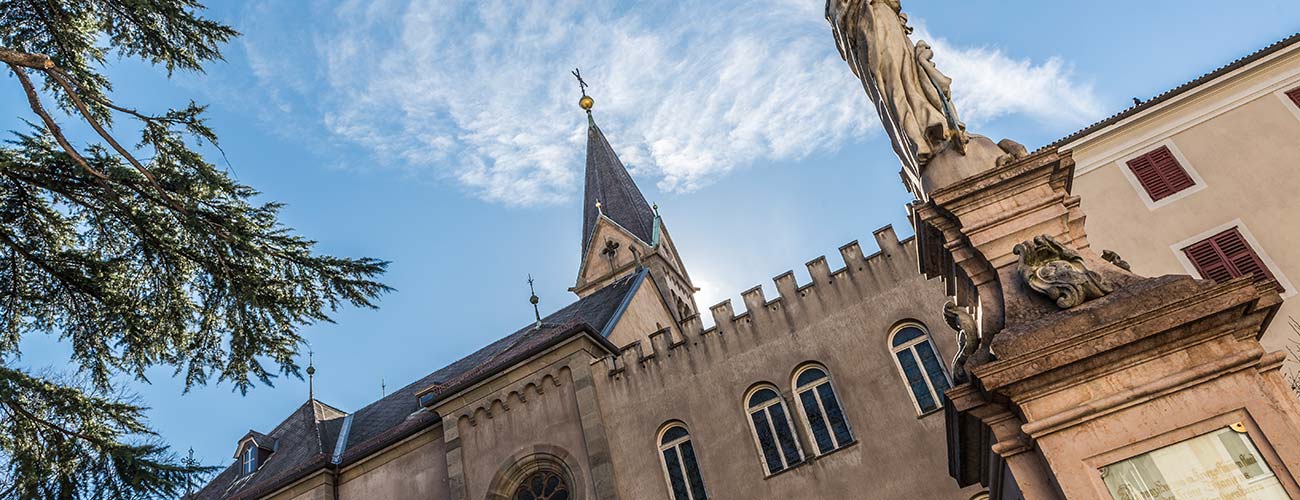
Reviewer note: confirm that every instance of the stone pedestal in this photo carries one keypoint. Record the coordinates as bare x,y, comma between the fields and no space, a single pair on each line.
1059,394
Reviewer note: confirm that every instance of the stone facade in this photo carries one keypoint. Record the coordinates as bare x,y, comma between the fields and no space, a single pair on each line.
584,397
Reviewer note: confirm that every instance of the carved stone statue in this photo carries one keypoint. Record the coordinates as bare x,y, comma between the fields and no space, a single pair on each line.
912,96
1058,272
968,341
939,95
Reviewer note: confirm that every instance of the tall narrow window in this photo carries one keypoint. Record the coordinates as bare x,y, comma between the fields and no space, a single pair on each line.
1160,173
920,367
680,465
250,459
1225,256
821,409
772,430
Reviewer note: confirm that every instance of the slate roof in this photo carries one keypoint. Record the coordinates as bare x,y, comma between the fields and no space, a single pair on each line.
1176,91
307,440
609,183
300,439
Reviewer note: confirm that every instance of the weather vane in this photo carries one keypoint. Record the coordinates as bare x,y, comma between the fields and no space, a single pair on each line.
534,298
585,102
311,375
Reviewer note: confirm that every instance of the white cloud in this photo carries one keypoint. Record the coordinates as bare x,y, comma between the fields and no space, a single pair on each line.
478,93
988,84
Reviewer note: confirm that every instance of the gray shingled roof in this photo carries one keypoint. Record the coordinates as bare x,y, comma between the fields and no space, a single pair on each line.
300,440
307,440
1176,91
609,183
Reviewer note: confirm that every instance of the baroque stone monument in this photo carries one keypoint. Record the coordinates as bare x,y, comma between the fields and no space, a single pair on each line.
1076,377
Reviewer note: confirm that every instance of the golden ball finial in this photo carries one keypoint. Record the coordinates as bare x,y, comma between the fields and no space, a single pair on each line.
586,102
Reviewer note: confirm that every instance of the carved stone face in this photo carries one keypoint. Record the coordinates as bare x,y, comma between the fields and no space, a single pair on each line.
923,50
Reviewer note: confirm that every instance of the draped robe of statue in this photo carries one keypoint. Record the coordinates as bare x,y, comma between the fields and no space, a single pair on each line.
873,36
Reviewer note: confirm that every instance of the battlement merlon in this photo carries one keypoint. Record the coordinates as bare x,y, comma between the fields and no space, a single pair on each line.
860,277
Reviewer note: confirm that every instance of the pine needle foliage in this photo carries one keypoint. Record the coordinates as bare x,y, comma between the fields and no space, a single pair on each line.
137,255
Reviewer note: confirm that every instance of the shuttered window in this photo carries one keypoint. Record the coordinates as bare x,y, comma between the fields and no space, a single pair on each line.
1295,96
1225,256
1160,173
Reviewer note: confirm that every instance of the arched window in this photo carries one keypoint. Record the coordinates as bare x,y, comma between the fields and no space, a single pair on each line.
680,466
821,409
920,366
772,431
542,485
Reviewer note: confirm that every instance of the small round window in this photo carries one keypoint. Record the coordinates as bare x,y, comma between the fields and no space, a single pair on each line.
543,485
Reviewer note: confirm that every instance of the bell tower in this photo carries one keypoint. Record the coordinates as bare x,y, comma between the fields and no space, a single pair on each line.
621,232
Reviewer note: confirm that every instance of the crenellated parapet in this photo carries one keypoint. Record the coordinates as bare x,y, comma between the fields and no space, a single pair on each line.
860,277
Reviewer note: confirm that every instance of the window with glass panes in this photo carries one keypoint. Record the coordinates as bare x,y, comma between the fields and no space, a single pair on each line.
681,467
920,367
821,409
250,460
772,430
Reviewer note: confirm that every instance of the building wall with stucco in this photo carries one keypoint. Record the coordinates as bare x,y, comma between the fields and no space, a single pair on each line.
841,320
1239,137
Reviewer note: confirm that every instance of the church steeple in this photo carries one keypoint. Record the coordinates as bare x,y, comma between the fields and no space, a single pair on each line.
611,192
621,231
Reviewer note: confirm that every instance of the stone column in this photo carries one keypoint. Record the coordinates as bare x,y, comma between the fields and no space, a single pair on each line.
1082,364
593,431
455,464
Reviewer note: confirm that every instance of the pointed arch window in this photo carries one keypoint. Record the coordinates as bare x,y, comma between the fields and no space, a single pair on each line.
773,433
681,468
821,409
919,365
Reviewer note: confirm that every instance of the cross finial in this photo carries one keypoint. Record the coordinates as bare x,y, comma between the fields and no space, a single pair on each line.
585,102
311,375
383,388
534,300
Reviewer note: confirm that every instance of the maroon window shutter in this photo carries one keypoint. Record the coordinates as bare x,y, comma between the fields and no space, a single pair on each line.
1225,256
1294,94
1160,174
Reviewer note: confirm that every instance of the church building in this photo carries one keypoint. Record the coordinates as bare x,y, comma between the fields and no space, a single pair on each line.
833,389
624,394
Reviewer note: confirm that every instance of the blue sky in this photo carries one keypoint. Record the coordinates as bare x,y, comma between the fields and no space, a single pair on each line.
444,136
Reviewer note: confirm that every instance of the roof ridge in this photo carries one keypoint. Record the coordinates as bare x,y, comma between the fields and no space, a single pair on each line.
1176,91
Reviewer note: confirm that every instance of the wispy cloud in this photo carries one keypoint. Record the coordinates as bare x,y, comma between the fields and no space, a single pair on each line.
988,84
478,93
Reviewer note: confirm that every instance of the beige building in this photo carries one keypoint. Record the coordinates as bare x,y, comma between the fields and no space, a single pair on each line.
831,390
1204,179
624,393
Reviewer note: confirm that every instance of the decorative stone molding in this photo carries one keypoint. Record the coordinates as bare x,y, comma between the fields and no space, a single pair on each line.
1059,272
1114,258
968,341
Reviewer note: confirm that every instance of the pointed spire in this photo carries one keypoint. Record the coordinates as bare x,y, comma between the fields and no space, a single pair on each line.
311,376
610,190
